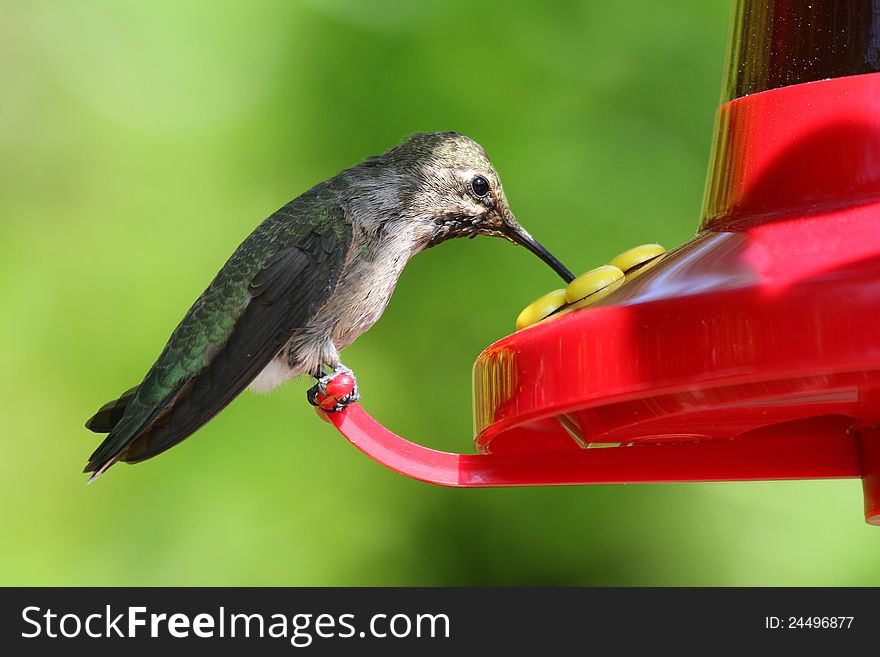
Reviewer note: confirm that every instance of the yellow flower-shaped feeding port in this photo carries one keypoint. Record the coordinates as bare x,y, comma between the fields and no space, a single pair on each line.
638,259
540,308
592,286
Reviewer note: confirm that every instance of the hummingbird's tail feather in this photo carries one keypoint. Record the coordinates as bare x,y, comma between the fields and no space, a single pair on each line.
97,473
109,414
139,420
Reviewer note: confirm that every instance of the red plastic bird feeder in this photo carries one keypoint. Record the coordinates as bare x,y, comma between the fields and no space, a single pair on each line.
750,352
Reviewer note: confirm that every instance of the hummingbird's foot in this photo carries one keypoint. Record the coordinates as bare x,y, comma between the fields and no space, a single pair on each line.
334,391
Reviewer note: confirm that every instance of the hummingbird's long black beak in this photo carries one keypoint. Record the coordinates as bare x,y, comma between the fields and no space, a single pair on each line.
517,234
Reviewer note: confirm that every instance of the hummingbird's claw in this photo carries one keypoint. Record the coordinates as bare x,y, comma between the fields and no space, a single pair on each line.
334,391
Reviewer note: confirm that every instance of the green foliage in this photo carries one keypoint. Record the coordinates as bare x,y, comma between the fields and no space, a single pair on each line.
142,141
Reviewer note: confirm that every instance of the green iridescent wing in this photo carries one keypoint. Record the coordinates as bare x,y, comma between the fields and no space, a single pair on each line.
272,285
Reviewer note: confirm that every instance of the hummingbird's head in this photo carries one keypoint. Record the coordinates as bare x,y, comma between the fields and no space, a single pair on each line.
450,189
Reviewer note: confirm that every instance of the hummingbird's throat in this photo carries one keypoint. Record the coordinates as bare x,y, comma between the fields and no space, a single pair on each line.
450,227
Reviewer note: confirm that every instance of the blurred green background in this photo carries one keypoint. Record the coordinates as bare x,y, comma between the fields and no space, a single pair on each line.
140,142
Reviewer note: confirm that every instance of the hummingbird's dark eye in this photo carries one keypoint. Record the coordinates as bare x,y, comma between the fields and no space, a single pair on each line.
480,186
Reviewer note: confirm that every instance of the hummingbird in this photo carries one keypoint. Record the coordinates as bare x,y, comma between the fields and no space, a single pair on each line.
307,282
